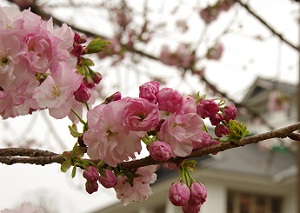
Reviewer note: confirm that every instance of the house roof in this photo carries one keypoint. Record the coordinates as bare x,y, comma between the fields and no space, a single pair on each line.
253,160
258,93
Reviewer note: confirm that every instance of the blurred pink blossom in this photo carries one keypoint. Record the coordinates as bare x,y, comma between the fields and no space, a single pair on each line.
25,207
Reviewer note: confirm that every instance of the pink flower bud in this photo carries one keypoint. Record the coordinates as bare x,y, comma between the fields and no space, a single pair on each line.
221,130
77,50
169,100
88,82
97,77
179,194
82,40
91,186
191,208
148,91
207,108
114,97
109,179
91,173
216,119
198,193
76,37
160,151
230,113
82,94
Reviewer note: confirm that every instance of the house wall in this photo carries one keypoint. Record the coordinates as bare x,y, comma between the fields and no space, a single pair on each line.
218,183
216,200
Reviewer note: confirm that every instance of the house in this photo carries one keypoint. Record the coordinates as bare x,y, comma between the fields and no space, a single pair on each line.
251,179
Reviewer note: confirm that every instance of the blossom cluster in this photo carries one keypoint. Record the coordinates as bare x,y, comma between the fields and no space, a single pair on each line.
42,67
169,123
38,66
190,198
182,57
130,186
212,12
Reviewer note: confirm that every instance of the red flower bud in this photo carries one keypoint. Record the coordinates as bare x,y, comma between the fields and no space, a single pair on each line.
82,94
97,77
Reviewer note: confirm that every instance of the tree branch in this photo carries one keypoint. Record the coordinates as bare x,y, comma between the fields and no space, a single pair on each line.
11,156
267,25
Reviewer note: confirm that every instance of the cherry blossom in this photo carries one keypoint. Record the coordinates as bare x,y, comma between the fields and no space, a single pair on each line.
107,139
140,188
178,130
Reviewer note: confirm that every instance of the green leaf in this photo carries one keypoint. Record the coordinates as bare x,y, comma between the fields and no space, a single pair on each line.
66,165
66,155
81,69
80,151
87,62
74,132
73,171
237,131
95,46
199,98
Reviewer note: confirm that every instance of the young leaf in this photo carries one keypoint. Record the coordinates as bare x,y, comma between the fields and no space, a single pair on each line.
95,46
66,165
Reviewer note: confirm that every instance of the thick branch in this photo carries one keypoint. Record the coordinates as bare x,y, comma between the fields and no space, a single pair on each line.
279,133
267,25
41,160
11,156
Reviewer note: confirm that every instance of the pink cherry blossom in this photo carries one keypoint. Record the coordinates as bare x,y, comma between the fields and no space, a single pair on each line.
10,51
140,115
202,139
169,99
56,92
40,52
148,91
165,54
178,130
106,138
179,194
188,105
160,151
29,48
140,189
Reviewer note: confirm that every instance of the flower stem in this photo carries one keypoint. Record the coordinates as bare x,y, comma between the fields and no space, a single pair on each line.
79,118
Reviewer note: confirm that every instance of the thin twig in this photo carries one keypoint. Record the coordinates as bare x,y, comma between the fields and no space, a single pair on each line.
267,25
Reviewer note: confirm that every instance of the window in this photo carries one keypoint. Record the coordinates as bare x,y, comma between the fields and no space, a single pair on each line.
241,202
